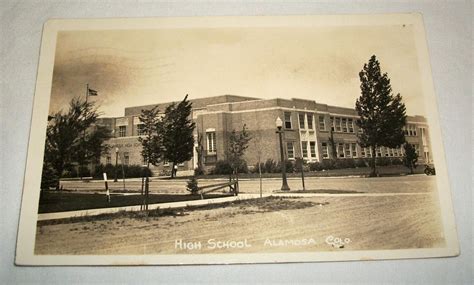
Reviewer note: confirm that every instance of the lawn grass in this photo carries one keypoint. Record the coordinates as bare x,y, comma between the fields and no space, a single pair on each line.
267,204
62,201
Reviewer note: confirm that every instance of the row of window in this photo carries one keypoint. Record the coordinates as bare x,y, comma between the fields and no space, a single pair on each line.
348,150
338,124
345,125
308,149
125,161
409,130
122,130
306,121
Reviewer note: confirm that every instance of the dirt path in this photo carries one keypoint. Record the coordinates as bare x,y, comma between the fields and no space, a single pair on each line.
279,225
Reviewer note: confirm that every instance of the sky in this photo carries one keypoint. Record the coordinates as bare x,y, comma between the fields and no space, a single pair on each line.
142,67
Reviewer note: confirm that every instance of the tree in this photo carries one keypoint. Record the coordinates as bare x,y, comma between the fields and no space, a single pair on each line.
192,186
93,144
72,137
333,145
177,133
410,158
151,140
238,143
382,114
151,136
200,155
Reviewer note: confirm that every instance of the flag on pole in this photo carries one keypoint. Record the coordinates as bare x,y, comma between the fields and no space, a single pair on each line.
92,92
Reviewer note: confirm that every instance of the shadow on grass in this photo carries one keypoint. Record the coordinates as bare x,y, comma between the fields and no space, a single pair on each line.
250,206
61,201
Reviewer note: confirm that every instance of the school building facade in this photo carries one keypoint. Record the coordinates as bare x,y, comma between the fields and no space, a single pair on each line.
307,130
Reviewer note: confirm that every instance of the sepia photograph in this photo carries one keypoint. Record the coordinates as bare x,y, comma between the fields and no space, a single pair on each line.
235,140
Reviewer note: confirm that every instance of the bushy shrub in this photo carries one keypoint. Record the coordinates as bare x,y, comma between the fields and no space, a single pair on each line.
224,167
71,172
344,163
130,171
397,161
255,168
328,164
198,171
315,166
271,166
49,178
360,162
383,161
290,166
192,185
243,167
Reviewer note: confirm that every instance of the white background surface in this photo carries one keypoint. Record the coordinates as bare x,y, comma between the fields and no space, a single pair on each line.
449,33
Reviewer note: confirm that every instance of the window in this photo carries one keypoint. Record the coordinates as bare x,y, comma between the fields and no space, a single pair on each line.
211,142
122,131
108,160
347,150
414,130
324,149
312,148
354,150
322,125
126,158
369,152
340,150
304,149
350,122
301,119
331,119
140,130
362,151
310,121
338,124
344,125
290,150
287,120
379,151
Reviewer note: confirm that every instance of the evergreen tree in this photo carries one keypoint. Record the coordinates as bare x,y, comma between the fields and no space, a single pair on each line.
382,114
177,133
410,158
192,186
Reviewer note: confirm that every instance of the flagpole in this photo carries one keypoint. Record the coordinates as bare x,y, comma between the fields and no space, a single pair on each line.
87,91
84,132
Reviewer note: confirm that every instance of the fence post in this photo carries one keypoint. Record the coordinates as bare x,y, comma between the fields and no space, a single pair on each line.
106,187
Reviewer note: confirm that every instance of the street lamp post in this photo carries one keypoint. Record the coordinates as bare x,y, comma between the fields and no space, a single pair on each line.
116,162
284,185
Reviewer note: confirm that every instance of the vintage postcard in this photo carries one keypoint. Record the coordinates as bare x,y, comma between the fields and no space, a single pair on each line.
235,140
